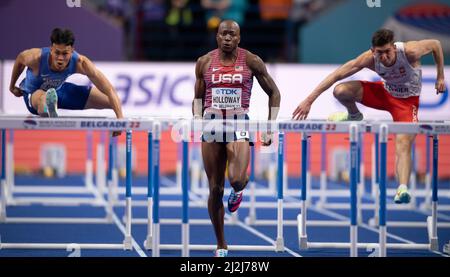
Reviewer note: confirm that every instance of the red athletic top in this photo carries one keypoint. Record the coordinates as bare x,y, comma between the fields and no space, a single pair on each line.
228,88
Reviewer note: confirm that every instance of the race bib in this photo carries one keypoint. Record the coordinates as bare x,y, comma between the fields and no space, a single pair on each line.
242,135
226,98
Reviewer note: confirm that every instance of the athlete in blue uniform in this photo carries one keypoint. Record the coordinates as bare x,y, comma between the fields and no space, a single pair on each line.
44,89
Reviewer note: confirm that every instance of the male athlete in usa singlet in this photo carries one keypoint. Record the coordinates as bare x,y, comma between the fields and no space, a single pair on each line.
224,79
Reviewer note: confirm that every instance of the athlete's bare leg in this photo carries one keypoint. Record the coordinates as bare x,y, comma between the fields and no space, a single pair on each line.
403,160
238,154
38,102
215,161
97,100
348,93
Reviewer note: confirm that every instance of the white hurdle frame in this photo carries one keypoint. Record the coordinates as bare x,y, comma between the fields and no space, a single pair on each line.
324,193
381,128
87,189
302,220
164,124
109,124
291,205
416,193
185,246
252,220
426,193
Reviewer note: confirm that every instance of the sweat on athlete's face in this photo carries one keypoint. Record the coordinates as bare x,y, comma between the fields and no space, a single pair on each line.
228,35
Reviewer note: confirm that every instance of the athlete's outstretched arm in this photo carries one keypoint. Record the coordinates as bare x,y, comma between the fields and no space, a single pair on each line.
199,89
416,49
259,69
24,59
86,67
346,70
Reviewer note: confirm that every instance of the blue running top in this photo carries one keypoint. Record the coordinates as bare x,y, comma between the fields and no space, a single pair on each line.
46,77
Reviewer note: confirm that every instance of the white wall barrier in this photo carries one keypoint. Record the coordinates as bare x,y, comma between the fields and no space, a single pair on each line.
167,89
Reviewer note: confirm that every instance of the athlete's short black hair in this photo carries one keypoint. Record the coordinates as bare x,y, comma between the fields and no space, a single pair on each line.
62,36
382,37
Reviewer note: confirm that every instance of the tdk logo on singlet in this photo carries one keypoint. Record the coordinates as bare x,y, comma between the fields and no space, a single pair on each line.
226,78
226,91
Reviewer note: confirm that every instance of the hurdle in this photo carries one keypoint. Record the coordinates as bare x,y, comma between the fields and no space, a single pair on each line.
285,126
382,129
431,129
323,192
425,193
185,246
165,124
426,205
74,124
252,205
87,189
252,220
416,193
306,177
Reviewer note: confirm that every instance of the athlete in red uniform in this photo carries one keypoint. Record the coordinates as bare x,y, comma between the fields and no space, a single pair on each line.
224,79
399,65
